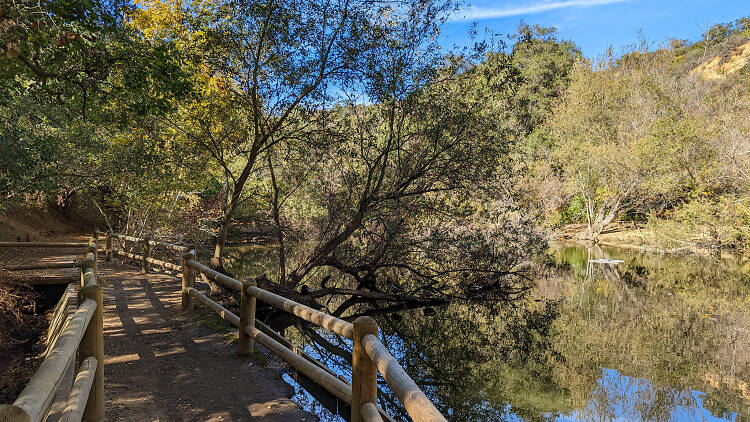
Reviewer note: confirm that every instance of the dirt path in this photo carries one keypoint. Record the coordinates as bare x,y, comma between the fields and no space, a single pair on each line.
161,365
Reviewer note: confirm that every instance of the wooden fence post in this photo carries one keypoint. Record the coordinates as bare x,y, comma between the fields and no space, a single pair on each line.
145,266
108,257
92,249
86,264
247,318
10,413
364,371
188,281
92,344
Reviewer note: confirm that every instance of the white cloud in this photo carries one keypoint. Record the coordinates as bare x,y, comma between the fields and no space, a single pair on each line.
477,13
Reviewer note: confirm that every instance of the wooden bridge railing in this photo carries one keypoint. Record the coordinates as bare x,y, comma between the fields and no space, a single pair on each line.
75,335
145,258
369,355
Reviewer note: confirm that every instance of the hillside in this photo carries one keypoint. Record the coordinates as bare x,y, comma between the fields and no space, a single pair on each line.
735,61
657,136
35,224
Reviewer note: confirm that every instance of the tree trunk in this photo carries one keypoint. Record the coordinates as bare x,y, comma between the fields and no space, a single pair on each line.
277,221
218,258
217,261
607,213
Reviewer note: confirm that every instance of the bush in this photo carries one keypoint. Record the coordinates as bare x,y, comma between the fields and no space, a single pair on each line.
571,212
714,223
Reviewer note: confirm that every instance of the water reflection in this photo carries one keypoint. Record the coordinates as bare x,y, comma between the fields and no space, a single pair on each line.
673,333
619,397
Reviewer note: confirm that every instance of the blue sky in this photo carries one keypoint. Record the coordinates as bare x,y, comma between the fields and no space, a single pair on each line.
594,25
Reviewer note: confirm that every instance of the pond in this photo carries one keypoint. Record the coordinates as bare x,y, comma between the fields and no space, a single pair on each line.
632,337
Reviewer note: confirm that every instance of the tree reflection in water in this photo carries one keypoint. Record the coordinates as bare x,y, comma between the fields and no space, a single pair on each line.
674,330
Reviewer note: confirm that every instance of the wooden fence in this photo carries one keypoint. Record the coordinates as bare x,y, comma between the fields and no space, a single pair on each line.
369,355
75,338
146,246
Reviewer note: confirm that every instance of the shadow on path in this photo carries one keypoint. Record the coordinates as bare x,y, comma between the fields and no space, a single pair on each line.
162,365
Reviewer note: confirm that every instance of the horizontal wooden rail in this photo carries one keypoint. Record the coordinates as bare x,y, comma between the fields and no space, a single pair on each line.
64,307
165,245
126,237
332,384
43,266
223,312
79,394
39,392
165,264
221,278
172,246
270,332
322,319
419,407
326,380
338,326
128,254
43,244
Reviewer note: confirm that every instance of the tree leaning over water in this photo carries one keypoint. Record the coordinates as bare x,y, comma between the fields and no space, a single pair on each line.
385,157
411,198
283,65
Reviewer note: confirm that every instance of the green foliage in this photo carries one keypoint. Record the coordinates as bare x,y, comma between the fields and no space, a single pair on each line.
709,222
544,65
75,81
574,211
639,134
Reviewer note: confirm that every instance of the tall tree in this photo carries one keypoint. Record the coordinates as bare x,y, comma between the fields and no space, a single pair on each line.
544,65
625,134
286,61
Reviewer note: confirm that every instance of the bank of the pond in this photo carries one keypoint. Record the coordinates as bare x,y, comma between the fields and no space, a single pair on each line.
655,337
651,238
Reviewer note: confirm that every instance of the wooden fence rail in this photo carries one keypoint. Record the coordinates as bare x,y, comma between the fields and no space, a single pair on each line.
141,240
145,258
75,336
43,266
82,330
43,244
369,356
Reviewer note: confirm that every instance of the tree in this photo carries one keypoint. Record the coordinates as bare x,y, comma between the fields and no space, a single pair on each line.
287,61
624,133
544,66
408,199
73,77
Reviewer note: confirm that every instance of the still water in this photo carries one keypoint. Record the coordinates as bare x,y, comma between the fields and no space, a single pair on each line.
650,338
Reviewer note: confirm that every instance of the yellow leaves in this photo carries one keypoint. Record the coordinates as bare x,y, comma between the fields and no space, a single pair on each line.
159,19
